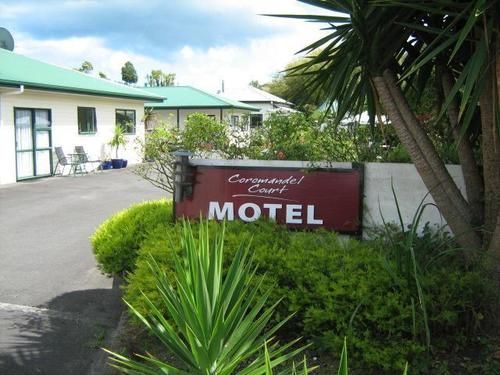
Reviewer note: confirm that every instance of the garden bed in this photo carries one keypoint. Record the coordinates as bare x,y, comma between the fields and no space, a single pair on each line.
367,291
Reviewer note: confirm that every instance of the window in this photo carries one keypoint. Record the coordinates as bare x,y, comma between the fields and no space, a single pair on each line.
255,120
86,120
235,120
126,118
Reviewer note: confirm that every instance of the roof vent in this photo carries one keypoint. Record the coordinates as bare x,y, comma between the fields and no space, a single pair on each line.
6,39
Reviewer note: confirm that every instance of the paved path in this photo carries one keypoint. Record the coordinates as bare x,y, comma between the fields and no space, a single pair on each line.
55,306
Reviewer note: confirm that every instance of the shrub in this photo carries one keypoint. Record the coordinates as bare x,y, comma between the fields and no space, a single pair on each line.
299,137
116,241
218,322
337,287
455,294
204,135
158,148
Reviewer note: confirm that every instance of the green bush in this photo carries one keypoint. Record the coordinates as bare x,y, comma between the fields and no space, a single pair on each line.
218,323
337,287
116,241
455,292
300,137
204,134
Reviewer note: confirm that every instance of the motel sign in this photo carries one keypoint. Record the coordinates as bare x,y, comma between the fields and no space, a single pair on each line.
298,198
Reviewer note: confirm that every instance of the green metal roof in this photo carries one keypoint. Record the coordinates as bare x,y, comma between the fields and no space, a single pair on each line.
18,70
190,97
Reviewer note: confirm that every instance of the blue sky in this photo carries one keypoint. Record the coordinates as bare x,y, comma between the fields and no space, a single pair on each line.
202,42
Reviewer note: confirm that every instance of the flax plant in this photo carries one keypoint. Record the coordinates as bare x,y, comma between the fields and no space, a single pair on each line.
216,324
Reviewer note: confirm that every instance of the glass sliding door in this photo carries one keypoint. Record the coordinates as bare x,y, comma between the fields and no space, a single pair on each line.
24,143
43,144
33,142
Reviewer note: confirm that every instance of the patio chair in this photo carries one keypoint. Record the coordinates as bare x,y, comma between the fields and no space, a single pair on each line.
75,166
84,158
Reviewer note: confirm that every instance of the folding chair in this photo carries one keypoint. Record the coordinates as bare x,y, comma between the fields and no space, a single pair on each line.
63,161
84,158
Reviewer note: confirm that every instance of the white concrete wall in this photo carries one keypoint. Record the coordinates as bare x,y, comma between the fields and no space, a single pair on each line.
65,126
410,192
7,143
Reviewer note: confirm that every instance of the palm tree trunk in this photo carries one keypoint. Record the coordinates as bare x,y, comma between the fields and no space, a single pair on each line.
434,177
494,269
470,170
427,148
494,244
491,157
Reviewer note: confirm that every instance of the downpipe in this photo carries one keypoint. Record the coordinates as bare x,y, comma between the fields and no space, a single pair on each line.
18,91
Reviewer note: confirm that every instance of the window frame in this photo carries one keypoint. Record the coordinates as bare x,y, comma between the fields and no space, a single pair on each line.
134,129
235,120
260,121
94,115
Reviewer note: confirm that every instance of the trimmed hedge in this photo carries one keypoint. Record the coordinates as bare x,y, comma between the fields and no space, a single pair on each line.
337,287
116,241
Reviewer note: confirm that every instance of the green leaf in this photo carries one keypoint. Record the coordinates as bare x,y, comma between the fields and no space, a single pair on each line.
343,369
218,323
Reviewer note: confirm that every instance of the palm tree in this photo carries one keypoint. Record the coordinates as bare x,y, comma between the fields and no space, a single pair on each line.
378,50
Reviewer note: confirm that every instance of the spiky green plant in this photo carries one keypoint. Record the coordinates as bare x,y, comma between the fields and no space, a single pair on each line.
343,364
343,369
216,324
118,138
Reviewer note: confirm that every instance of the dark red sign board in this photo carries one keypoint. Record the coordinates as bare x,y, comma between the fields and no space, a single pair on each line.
328,199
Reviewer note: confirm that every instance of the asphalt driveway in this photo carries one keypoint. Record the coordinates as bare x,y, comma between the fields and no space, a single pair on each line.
56,309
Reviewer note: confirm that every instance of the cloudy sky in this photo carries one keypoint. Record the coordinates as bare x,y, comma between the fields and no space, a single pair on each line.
202,41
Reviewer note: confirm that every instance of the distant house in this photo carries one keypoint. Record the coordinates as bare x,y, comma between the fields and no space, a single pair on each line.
43,106
181,101
265,102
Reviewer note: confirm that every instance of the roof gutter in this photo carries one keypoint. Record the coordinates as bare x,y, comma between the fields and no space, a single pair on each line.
142,98
19,91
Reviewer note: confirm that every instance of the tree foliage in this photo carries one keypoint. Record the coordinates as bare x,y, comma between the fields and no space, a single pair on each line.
157,149
300,137
202,135
379,51
86,67
129,74
255,83
289,85
158,78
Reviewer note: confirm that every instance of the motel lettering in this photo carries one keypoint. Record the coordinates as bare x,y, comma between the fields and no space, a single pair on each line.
248,212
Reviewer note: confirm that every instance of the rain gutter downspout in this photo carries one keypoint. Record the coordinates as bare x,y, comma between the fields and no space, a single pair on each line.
18,91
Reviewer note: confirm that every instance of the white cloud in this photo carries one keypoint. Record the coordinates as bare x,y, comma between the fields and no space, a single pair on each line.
237,65
71,52
255,6
187,53
11,11
258,60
